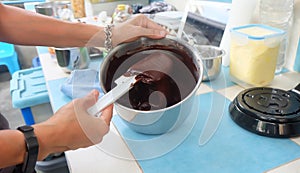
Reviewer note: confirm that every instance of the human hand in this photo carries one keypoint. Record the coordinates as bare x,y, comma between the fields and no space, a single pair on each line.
136,27
71,127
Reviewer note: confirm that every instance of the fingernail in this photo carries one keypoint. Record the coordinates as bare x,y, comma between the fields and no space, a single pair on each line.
162,33
93,92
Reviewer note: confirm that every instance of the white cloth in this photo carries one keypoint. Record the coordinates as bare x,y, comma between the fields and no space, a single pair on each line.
80,83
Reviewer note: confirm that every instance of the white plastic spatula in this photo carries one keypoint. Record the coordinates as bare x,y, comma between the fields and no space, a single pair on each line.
124,84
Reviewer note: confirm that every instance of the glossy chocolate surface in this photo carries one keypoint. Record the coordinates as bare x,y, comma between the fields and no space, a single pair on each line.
164,77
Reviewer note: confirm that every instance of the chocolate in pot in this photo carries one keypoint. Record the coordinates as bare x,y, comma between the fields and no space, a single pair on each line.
164,78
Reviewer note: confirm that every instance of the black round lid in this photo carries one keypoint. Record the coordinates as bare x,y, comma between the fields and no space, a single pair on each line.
267,111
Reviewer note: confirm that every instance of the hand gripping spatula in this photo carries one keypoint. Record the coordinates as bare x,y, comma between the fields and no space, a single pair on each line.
124,84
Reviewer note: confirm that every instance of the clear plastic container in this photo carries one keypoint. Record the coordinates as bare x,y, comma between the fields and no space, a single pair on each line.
253,54
63,10
122,13
278,14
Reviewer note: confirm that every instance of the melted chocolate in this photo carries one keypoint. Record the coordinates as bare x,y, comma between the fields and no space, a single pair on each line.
164,77
152,67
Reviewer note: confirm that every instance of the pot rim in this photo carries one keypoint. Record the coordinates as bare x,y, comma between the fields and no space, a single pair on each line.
197,58
222,51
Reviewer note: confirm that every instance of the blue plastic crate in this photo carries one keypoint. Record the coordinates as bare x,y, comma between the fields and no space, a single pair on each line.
28,88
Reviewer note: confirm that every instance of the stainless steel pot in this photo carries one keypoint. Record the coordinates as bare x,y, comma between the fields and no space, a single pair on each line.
161,120
45,8
72,58
212,61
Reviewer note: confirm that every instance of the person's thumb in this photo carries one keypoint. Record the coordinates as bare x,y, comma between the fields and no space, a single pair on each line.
90,99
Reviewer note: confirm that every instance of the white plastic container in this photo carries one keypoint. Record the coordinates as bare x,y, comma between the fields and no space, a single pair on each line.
253,54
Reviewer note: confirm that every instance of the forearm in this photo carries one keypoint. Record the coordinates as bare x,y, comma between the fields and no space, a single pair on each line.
70,128
12,148
50,138
27,28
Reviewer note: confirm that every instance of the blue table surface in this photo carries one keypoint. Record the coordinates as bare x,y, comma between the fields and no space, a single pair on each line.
230,149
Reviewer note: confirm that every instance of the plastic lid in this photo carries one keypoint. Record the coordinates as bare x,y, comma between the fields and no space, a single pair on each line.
257,31
121,7
267,111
